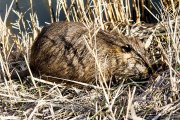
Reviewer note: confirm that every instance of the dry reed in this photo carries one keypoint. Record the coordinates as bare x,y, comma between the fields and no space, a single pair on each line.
34,98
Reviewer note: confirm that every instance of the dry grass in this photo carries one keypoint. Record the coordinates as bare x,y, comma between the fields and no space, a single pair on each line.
34,98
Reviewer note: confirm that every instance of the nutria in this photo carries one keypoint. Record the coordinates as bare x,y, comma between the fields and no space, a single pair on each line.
66,50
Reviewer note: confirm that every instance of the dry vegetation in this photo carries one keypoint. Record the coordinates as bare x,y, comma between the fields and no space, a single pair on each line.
34,98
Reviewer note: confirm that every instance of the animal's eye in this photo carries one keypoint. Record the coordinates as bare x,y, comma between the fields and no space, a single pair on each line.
126,48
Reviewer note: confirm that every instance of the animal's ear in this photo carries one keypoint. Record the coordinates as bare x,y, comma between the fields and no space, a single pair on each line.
126,48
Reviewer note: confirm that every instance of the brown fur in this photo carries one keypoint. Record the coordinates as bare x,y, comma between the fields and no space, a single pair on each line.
61,50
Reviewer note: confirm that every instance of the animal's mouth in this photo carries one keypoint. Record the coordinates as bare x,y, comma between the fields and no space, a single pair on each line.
147,65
